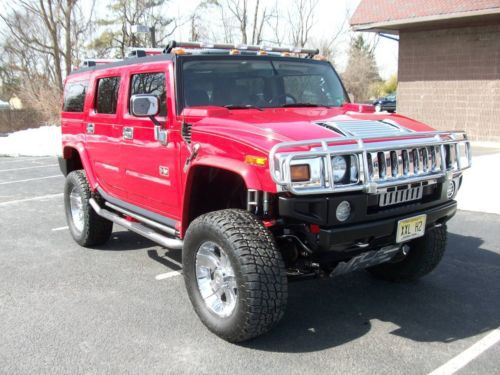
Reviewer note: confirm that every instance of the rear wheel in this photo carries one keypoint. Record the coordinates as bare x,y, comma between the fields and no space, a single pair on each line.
424,255
234,274
86,227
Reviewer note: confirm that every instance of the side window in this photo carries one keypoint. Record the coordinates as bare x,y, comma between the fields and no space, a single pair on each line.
74,96
150,83
107,95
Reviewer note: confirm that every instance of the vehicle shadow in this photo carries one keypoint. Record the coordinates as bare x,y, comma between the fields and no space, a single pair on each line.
124,240
459,300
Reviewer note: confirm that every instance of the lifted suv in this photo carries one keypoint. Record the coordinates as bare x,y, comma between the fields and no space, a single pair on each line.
255,164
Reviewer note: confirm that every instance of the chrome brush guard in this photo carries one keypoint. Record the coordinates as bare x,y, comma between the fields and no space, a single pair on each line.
404,158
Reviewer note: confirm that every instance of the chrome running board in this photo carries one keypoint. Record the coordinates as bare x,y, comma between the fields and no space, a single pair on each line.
143,230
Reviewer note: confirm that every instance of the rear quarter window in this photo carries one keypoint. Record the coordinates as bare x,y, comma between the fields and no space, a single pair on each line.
74,96
107,95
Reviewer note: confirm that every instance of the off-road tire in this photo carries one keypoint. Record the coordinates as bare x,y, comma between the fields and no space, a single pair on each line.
96,229
258,267
424,255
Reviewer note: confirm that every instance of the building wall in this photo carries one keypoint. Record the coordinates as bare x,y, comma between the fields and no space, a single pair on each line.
450,79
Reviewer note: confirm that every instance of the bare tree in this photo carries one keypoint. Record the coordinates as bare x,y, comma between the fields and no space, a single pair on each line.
42,40
47,27
248,17
117,36
301,21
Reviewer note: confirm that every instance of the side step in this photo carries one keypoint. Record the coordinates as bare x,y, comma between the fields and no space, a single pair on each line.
171,243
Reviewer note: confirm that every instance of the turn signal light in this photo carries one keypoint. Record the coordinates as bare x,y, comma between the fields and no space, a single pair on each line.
255,160
179,51
300,173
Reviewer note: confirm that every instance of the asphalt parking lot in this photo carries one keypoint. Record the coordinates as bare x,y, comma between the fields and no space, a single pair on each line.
122,307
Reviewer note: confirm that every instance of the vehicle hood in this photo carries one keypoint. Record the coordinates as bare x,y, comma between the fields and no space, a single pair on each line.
264,129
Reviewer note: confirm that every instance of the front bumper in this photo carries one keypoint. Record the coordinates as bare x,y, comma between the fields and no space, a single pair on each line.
369,225
379,232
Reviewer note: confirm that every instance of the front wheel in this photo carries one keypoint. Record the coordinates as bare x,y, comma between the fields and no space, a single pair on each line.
234,275
424,255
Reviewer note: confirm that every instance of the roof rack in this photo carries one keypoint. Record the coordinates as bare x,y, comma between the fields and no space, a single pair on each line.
143,52
87,63
239,47
203,47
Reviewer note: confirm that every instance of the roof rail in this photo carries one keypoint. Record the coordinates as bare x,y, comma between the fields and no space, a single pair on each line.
87,63
143,52
242,47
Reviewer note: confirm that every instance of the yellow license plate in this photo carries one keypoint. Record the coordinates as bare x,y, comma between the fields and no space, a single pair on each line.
411,228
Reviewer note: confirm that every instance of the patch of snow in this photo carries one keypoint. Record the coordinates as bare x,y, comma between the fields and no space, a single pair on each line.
479,191
43,141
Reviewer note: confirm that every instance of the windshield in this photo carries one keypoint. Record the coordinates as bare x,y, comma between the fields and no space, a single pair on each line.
259,83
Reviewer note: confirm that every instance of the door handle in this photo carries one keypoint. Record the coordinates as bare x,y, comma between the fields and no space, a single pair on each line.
90,128
128,133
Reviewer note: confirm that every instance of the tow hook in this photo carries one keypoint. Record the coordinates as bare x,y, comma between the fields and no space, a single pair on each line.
194,153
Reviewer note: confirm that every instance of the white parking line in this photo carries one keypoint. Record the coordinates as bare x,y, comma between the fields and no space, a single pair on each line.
2,162
30,179
23,168
458,362
163,276
39,198
59,228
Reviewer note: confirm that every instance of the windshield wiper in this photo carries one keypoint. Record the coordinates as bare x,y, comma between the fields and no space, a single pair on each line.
303,105
247,106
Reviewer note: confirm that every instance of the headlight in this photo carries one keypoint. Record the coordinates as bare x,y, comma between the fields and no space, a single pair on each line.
339,168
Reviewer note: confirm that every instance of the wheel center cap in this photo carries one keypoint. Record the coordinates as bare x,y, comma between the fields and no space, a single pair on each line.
218,277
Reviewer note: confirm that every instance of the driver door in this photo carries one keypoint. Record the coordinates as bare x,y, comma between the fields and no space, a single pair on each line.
150,169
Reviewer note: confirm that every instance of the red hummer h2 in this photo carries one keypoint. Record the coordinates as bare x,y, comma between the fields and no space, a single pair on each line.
254,163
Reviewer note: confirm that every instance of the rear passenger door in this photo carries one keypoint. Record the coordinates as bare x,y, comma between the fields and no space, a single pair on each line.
150,169
103,131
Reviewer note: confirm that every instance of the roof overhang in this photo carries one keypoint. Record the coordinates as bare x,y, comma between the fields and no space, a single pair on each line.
447,20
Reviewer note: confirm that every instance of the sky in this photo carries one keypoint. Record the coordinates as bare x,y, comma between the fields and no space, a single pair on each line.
329,16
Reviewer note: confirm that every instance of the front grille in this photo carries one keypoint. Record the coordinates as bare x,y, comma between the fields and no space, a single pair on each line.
401,196
393,164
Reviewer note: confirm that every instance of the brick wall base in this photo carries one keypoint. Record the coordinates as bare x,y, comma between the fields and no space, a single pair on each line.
450,79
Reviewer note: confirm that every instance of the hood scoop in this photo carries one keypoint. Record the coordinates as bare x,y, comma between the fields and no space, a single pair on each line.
365,128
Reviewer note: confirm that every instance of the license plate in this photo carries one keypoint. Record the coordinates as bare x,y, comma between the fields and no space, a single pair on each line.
411,228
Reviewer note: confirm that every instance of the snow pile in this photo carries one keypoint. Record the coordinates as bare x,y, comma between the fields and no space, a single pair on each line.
479,191
44,141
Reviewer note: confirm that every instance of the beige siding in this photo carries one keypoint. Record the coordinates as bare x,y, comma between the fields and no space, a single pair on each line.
450,79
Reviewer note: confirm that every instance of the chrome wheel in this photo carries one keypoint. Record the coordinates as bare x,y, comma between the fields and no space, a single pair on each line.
216,279
76,206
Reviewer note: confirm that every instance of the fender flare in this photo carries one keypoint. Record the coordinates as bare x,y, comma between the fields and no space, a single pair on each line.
84,157
248,173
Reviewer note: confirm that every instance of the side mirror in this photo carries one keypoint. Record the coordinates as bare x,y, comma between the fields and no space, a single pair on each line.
144,105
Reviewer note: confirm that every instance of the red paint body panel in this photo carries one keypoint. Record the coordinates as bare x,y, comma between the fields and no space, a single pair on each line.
129,169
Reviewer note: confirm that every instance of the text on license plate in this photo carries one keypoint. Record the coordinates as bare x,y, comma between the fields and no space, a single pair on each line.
410,228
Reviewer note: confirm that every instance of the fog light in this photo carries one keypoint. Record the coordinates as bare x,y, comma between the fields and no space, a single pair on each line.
451,189
343,211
